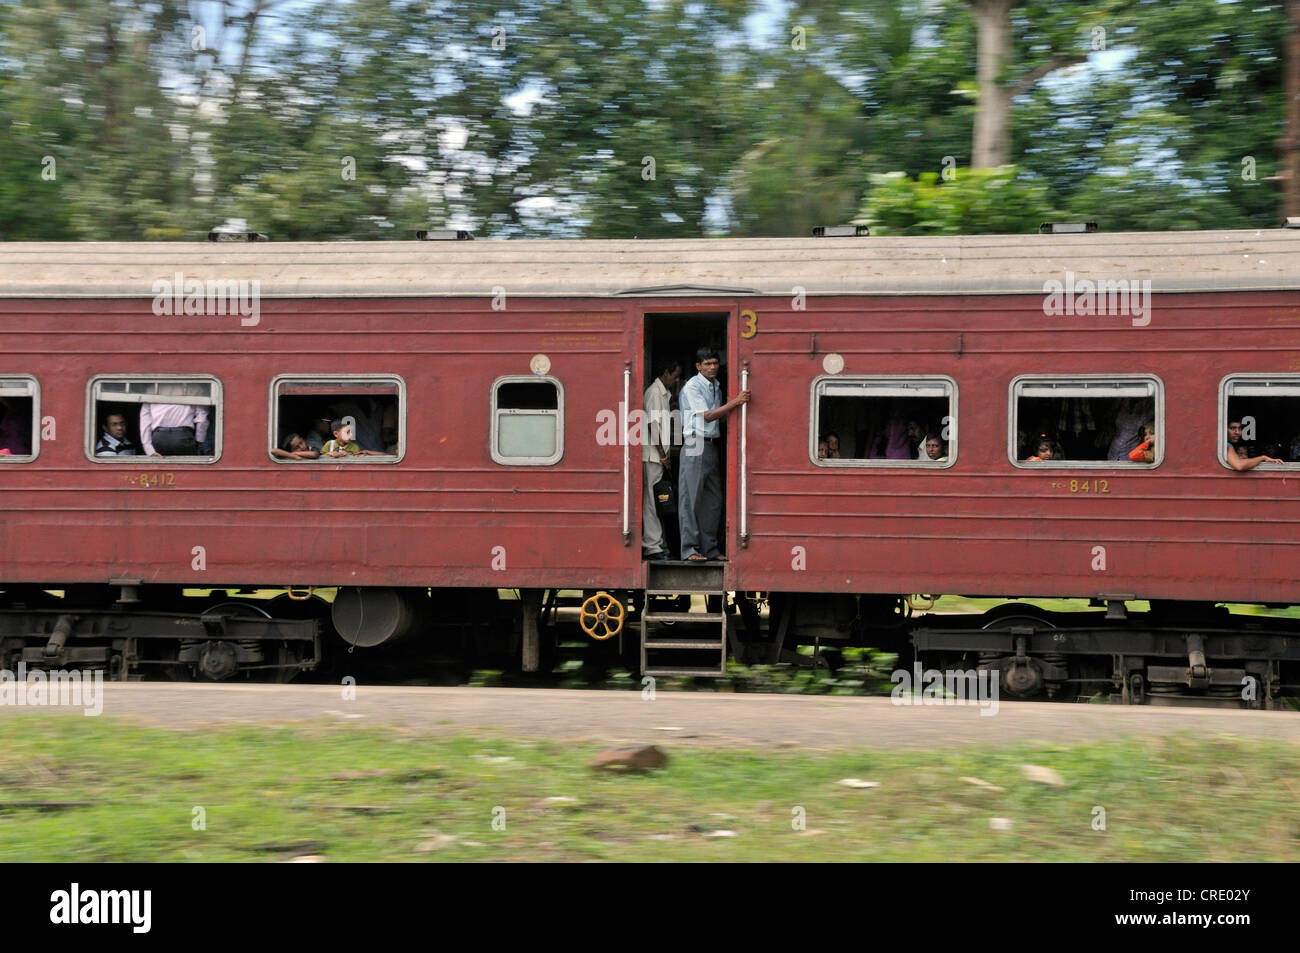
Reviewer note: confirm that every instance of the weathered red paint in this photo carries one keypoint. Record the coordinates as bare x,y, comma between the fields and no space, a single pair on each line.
1189,529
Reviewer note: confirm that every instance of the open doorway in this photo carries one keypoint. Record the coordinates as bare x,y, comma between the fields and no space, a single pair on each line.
674,338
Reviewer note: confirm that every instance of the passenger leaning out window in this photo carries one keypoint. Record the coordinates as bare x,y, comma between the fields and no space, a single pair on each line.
1235,453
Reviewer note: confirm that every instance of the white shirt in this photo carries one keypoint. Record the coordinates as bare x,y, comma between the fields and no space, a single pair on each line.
657,430
699,394
159,416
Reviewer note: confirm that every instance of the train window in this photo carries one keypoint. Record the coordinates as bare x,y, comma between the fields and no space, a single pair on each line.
527,421
883,422
1086,420
304,408
174,416
1268,408
20,419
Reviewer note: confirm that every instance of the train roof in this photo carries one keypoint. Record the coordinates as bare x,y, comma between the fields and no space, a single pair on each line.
1187,261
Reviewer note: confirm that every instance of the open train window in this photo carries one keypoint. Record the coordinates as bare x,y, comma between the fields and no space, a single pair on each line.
20,419
1086,420
1268,408
527,421
883,422
305,407
174,416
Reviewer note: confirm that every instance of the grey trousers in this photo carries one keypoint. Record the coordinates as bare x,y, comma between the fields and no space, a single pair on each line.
699,500
652,531
175,441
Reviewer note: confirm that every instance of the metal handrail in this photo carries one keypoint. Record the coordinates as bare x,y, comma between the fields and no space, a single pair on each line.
627,451
744,460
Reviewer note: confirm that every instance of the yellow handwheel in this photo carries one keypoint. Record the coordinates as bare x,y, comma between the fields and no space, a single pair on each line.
601,616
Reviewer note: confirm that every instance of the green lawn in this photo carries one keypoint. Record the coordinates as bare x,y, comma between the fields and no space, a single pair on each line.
352,794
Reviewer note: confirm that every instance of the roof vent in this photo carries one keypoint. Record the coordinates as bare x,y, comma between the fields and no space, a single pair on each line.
840,231
220,235
1067,228
443,235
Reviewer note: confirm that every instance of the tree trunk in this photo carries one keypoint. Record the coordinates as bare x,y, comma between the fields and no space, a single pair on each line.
992,139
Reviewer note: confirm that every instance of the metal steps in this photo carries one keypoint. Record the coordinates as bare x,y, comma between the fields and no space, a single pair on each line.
684,616
690,643
681,643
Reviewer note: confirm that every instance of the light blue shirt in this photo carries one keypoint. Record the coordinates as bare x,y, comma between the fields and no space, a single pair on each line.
698,395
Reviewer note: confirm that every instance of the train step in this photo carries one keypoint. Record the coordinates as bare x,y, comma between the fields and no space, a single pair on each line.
685,577
685,643
715,644
715,617
701,672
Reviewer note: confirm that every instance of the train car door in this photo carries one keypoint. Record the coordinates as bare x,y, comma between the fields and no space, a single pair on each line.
673,339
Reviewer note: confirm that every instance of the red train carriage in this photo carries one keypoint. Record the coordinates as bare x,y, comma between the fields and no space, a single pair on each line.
495,383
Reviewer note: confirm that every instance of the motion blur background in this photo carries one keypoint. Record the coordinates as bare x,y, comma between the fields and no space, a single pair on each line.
651,118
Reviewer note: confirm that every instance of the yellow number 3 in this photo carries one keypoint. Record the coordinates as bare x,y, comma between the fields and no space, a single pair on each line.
751,324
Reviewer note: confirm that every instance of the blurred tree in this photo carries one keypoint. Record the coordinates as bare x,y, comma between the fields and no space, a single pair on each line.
93,149
997,201
636,112
332,140
851,89
1289,144
1204,112
368,118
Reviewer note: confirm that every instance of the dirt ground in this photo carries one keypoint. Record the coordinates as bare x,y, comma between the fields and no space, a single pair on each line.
676,718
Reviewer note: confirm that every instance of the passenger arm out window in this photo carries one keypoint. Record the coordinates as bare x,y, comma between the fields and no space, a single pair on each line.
1087,421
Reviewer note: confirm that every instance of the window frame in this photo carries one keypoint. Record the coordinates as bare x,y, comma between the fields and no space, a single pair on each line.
493,434
9,458
854,464
1281,377
1119,378
217,419
273,411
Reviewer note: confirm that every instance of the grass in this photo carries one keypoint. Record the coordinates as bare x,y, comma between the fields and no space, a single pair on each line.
354,794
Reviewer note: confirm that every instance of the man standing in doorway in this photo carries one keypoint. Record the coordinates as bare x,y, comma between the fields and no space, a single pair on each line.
699,498
655,455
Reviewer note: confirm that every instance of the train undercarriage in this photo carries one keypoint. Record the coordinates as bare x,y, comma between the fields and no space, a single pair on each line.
682,624
1175,654
131,632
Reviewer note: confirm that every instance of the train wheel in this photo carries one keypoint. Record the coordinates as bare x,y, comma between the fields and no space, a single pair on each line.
1023,680
1015,613
210,660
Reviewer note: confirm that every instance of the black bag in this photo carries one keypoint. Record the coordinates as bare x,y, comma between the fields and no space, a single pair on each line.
665,495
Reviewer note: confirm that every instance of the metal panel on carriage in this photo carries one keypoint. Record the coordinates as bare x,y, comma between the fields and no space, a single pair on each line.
965,308
1187,528
441,513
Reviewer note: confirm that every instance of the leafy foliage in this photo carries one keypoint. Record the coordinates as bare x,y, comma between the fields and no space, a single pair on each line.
973,201
620,118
